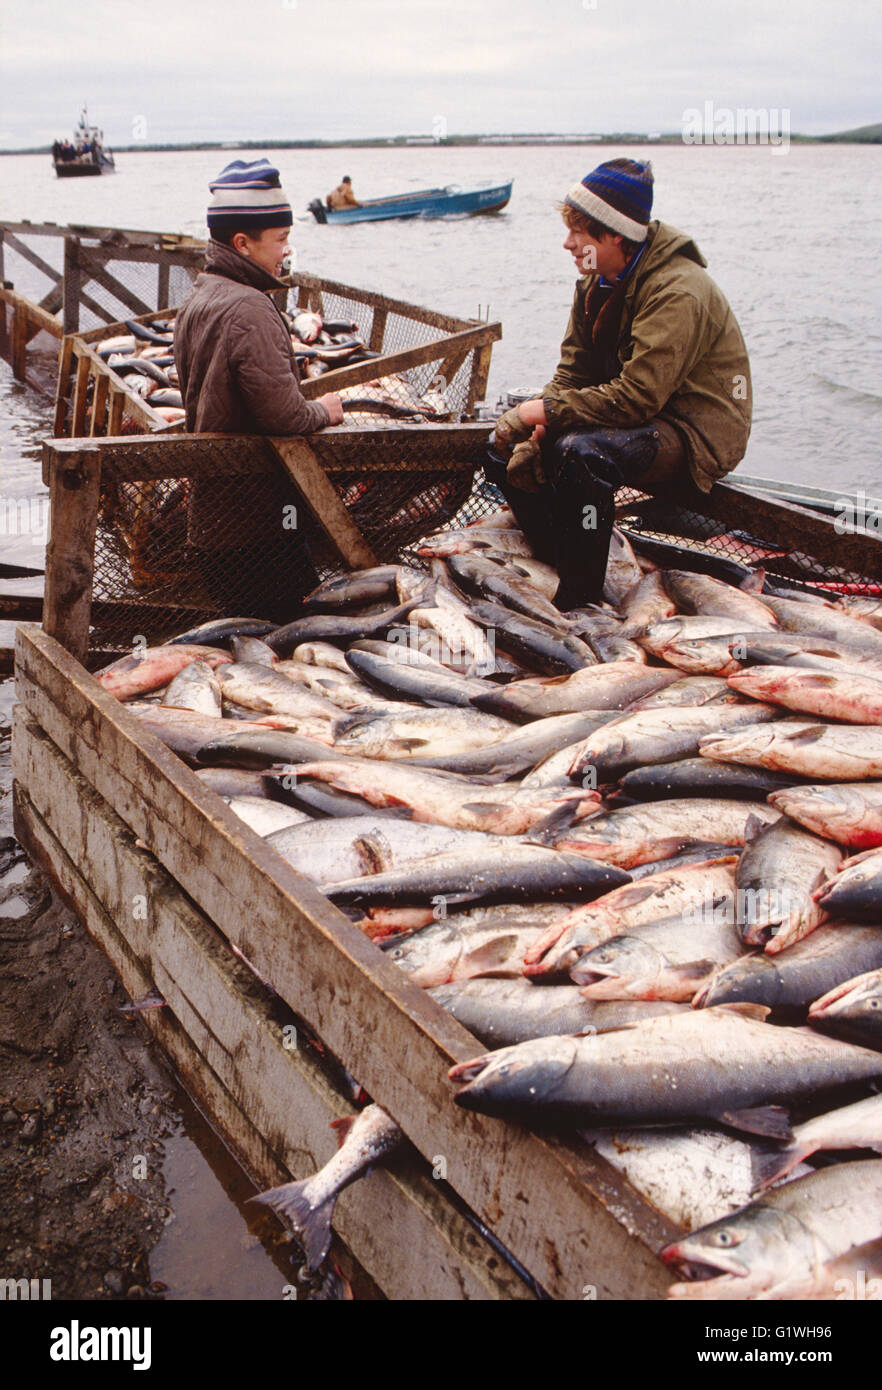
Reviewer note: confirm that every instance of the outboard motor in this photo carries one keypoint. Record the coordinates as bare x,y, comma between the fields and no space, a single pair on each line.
317,208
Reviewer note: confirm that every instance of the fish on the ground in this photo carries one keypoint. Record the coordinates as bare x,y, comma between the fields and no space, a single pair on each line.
657,830
501,1012
778,1246
307,1206
708,597
702,887
516,872
449,800
857,1126
152,668
699,777
660,736
848,812
852,1010
612,686
665,1071
669,959
855,888
776,879
836,752
196,688
852,698
832,954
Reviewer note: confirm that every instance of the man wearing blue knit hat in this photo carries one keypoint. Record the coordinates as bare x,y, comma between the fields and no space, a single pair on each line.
239,376
652,388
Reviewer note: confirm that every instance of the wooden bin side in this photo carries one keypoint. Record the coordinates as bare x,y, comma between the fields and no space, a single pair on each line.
563,1213
249,1068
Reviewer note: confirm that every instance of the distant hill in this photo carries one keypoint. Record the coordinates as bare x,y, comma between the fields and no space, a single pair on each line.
862,135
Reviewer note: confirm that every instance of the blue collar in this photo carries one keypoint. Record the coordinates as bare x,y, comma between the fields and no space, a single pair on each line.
626,270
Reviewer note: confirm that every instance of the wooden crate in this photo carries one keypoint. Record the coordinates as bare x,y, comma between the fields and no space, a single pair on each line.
88,252
117,821
92,400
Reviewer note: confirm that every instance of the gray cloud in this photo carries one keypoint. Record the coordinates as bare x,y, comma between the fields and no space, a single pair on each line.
208,69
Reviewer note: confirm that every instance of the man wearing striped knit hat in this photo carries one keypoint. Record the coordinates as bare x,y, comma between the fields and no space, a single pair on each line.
652,389
238,376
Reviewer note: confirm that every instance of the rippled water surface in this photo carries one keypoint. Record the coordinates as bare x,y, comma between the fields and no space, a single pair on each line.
793,238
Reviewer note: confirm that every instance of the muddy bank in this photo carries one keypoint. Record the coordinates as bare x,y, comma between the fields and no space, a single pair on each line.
84,1107
112,1185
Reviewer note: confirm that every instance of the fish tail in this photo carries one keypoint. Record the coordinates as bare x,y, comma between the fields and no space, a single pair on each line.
311,1224
767,1166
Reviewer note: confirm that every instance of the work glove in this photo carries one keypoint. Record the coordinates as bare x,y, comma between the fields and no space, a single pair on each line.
510,430
525,468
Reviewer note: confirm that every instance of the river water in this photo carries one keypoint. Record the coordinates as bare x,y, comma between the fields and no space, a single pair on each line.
792,236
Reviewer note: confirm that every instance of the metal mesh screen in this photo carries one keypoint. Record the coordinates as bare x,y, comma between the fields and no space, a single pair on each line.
646,519
175,551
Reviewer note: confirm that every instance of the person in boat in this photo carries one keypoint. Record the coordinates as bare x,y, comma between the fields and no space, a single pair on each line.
238,376
342,196
652,389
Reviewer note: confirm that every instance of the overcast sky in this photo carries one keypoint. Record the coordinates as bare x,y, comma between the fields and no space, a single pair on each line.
211,69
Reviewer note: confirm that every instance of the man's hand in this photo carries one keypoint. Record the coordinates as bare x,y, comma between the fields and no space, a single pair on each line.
334,406
510,430
525,469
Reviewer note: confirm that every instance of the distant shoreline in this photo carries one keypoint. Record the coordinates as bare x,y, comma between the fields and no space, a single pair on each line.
863,136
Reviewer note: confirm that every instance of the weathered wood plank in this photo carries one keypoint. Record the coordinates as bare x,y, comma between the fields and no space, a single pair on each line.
853,548
546,1202
40,318
378,329
163,274
242,1040
480,374
98,422
73,501
96,258
324,501
146,238
73,286
115,413
396,361
80,400
19,342
130,458
65,367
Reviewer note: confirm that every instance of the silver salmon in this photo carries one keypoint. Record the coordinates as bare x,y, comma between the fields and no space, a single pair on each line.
307,1206
665,1071
779,1246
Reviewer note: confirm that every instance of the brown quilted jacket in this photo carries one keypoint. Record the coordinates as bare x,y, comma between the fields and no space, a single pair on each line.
238,376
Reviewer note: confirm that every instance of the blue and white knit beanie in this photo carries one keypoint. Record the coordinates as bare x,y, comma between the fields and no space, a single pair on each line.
248,196
619,198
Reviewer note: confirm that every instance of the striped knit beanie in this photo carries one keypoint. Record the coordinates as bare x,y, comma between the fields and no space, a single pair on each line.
248,197
619,198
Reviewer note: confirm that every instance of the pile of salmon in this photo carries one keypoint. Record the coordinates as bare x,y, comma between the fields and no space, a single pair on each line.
145,357
635,848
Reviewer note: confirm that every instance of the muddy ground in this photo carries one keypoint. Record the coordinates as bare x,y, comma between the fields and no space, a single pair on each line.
85,1097
112,1185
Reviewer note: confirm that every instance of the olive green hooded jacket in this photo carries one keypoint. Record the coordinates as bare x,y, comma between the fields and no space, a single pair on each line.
681,354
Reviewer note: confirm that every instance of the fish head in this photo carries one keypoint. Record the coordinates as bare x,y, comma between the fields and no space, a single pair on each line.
740,982
861,1000
428,955
619,961
739,1256
515,1078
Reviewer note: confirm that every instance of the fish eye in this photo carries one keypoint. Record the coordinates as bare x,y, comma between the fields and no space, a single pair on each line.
725,1238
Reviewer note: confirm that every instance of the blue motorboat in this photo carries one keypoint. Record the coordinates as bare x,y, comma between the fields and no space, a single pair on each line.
452,201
